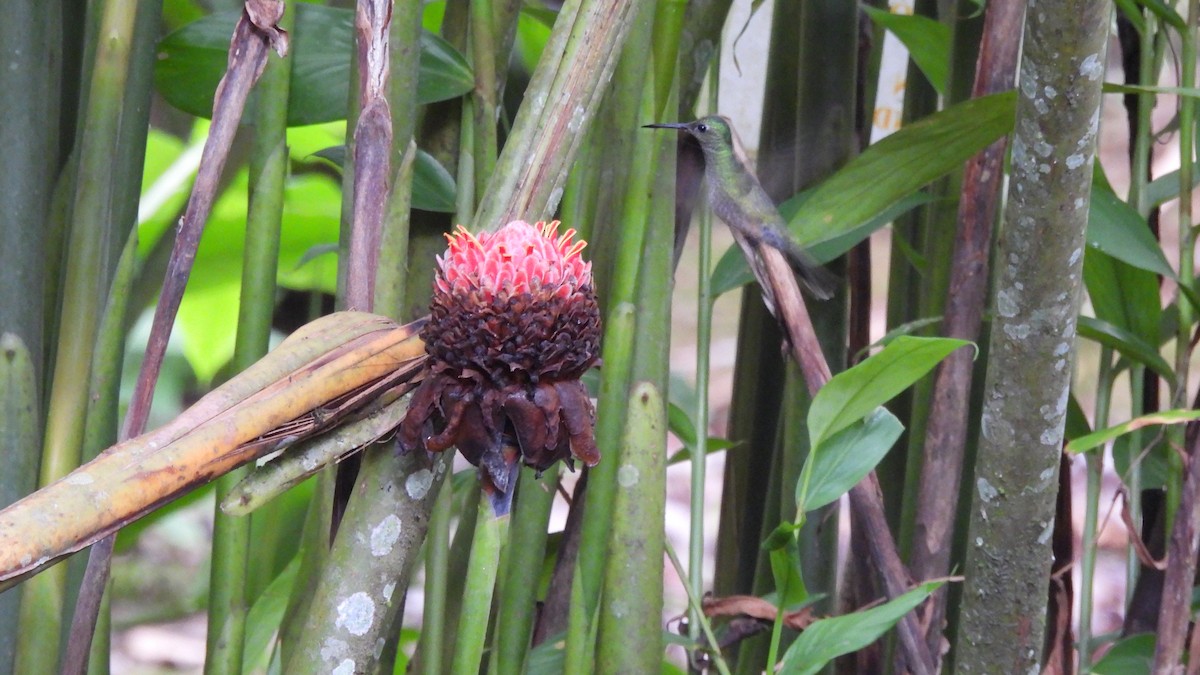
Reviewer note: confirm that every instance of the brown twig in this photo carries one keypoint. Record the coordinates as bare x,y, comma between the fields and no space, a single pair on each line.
945,438
1175,611
255,32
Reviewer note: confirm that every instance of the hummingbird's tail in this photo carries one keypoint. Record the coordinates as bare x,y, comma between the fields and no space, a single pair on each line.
819,282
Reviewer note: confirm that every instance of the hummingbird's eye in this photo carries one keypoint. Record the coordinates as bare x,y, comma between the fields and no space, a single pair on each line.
702,128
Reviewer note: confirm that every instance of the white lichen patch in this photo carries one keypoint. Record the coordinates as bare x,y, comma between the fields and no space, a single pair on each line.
385,534
1006,303
346,667
1092,68
1049,91
79,479
1075,256
1017,331
1076,160
334,649
417,484
627,476
987,491
1062,348
388,589
356,613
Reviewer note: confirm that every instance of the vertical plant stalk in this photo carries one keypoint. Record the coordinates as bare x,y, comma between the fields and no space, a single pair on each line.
372,152
87,270
480,585
483,52
437,563
561,100
1037,303
523,565
1175,611
19,415
946,432
227,603
1088,543
87,624
630,637
255,33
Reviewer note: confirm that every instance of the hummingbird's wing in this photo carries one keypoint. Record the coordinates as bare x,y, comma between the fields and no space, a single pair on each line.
817,281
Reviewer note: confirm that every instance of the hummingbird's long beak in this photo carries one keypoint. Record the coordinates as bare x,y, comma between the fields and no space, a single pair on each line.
666,125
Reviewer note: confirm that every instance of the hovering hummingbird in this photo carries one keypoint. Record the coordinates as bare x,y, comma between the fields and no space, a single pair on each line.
738,199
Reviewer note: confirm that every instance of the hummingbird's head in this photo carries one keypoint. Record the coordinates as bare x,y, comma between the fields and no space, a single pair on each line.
712,132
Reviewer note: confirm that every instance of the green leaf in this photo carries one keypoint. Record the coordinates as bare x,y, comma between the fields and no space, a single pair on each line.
901,164
1166,187
854,393
847,457
827,639
927,41
1097,439
433,187
1133,655
789,583
193,59
1129,344
263,619
732,272
681,424
1117,229
1123,295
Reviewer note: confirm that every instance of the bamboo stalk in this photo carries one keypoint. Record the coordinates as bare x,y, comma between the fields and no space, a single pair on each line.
227,602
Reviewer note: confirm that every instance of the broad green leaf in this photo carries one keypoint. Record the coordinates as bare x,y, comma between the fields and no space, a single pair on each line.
1097,439
827,639
1123,295
1115,228
854,393
433,187
1133,655
1077,421
1127,343
732,272
901,164
193,59
263,619
927,41
847,457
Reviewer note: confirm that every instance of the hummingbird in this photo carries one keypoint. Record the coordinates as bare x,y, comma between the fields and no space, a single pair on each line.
736,196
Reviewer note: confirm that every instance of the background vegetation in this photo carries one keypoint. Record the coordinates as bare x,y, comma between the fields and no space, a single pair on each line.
362,140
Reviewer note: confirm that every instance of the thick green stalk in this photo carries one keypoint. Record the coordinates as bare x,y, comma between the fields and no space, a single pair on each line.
1095,472
483,51
480,584
523,567
88,269
625,285
562,97
617,355
19,417
227,601
1038,290
630,638
437,562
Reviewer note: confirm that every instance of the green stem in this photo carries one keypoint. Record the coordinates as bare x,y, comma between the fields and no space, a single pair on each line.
483,50
630,632
1187,250
480,585
227,600
1095,472
88,268
437,561
523,568
695,603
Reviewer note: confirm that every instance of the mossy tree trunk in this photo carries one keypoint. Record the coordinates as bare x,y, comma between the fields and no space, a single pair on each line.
1037,301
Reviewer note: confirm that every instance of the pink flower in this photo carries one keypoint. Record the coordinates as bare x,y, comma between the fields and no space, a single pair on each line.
514,324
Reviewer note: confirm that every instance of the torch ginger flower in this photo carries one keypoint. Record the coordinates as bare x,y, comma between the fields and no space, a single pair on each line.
514,324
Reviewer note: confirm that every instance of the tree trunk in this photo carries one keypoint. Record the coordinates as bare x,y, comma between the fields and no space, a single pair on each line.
1037,302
